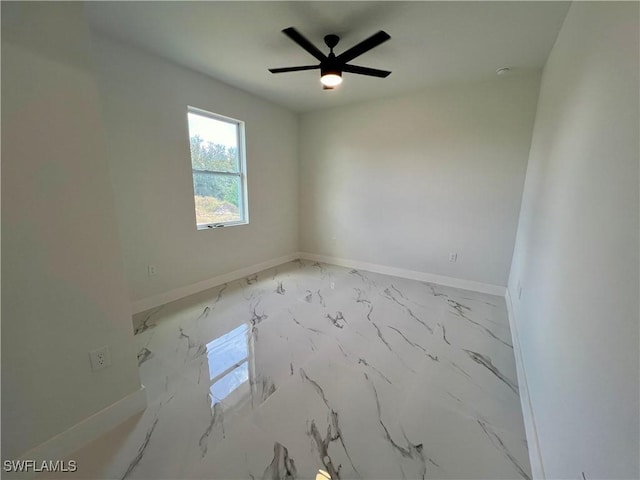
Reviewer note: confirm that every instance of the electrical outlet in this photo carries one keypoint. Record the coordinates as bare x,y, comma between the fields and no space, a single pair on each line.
100,358
453,257
151,270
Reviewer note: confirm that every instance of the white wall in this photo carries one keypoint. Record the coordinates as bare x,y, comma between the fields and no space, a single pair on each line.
402,182
145,103
577,248
63,291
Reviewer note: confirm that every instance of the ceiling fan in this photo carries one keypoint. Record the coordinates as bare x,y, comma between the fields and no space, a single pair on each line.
332,66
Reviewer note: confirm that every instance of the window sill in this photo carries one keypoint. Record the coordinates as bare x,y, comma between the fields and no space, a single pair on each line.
216,226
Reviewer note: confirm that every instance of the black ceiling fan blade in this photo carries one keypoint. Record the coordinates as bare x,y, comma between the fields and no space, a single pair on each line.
372,72
294,69
297,37
364,46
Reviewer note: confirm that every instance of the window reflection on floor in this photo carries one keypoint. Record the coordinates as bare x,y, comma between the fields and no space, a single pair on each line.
232,380
228,359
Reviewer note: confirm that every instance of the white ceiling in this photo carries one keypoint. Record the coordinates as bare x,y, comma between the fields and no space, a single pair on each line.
431,42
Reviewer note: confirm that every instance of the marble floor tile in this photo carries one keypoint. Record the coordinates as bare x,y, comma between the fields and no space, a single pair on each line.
309,367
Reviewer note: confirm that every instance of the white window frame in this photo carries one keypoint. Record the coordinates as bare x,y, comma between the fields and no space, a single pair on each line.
242,170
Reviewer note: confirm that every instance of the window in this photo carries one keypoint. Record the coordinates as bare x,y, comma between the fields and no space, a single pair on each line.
218,166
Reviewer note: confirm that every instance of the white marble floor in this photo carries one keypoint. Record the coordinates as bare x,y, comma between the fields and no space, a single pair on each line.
310,366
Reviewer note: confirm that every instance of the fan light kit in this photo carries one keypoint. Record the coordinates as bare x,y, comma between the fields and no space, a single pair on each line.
331,79
331,66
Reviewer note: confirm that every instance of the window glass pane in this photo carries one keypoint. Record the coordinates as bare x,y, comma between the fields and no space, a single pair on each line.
214,144
218,198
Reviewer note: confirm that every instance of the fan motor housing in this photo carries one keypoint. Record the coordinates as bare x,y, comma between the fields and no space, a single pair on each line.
330,65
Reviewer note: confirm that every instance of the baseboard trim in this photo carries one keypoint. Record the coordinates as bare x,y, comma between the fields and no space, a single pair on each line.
87,430
410,274
535,455
178,293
